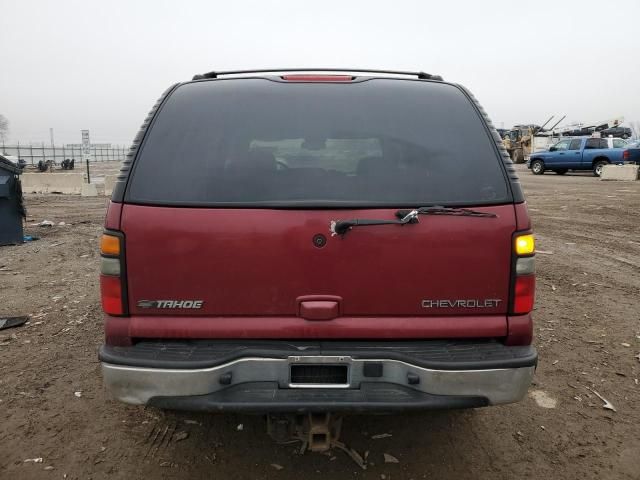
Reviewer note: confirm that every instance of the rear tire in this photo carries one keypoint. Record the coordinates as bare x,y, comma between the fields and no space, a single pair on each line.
561,171
537,167
597,167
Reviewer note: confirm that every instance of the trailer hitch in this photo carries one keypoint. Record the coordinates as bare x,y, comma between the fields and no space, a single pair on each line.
318,432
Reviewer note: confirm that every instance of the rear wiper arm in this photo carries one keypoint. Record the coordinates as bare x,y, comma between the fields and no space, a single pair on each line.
340,227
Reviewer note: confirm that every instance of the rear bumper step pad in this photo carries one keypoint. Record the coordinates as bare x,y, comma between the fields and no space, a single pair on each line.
435,354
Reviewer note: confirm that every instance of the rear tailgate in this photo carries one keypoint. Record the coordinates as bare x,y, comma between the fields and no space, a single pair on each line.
261,262
632,155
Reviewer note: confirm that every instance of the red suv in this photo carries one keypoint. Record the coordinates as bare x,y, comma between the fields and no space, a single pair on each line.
317,241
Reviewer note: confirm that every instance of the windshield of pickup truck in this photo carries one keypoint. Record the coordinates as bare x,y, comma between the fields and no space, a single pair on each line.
259,142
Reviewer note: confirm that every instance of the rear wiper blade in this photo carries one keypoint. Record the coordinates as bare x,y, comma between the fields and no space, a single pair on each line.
440,210
340,227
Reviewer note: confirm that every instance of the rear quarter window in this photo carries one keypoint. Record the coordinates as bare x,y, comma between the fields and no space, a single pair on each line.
260,142
593,143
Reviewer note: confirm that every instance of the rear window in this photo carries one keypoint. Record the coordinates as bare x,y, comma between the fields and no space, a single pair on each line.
596,143
259,142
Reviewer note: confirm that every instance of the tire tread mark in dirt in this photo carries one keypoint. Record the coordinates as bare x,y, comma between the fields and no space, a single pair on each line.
482,445
155,432
159,438
172,431
159,443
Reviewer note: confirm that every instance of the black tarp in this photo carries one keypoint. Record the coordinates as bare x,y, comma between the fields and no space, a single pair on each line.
12,208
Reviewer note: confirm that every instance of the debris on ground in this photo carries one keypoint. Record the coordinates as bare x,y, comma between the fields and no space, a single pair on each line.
625,344
303,447
33,460
78,394
10,322
544,252
192,422
607,404
48,467
543,399
178,437
276,466
390,458
45,223
240,427
355,456
381,435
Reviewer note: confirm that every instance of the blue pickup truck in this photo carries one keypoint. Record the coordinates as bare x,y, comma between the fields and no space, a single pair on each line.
586,153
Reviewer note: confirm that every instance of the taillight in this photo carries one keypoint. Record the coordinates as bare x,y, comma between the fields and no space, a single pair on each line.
626,155
112,279
523,285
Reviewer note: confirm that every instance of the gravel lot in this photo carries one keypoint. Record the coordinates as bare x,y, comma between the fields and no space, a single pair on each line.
53,406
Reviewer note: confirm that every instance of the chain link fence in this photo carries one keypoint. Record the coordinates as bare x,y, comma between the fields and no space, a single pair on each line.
32,154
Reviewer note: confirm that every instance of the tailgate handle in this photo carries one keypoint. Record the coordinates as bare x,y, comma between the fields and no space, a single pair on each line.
318,308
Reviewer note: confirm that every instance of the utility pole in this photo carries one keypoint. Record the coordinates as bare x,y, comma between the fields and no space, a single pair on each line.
86,151
53,149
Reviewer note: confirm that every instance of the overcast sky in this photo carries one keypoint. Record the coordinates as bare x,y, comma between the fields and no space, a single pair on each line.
101,65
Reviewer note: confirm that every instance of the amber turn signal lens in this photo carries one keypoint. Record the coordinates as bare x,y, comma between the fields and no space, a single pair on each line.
109,245
525,244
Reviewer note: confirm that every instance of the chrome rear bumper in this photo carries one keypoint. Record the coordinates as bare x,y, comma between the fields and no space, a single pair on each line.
141,385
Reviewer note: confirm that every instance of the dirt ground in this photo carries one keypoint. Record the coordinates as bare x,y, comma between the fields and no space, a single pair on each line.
53,406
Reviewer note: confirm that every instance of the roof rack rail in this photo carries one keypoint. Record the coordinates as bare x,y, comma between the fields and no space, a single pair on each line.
420,75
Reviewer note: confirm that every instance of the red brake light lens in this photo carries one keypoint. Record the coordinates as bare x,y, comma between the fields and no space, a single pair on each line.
318,78
524,293
111,293
626,155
